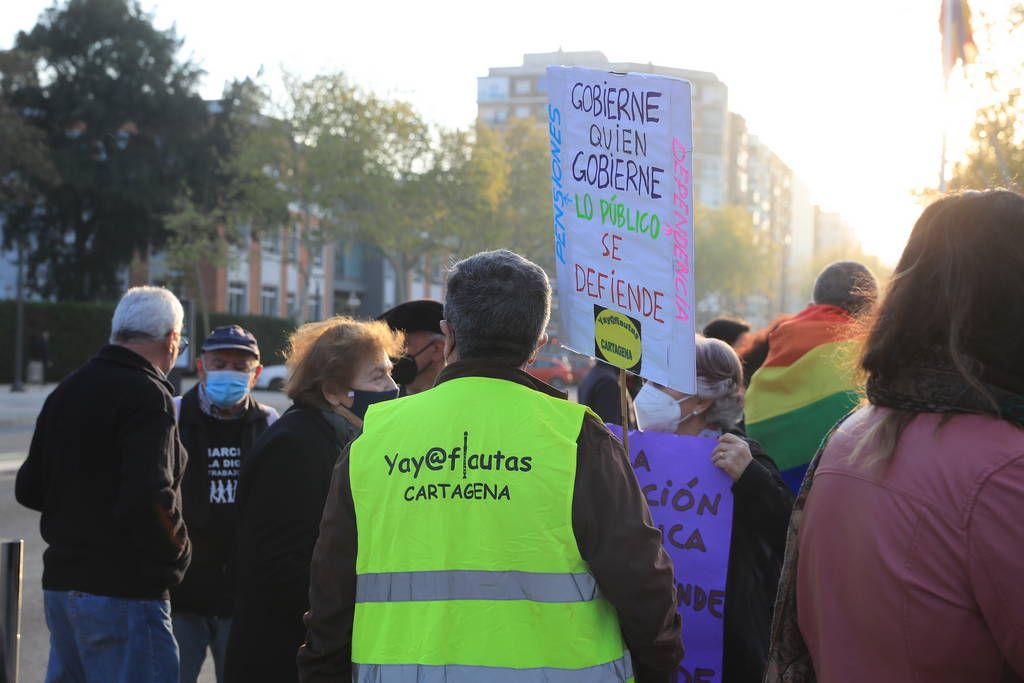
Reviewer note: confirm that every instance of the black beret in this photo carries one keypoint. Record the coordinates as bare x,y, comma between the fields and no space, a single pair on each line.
421,315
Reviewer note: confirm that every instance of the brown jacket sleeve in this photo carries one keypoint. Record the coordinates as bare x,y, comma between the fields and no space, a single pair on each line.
326,656
618,539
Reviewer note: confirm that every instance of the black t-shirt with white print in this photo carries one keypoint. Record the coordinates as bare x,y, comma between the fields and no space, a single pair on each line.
222,460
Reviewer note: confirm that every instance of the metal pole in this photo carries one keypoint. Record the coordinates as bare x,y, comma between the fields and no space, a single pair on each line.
624,405
11,558
19,324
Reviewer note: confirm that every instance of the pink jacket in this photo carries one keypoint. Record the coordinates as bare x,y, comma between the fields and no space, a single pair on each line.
913,570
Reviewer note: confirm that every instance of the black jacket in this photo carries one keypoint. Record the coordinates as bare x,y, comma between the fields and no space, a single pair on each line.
610,520
105,469
762,503
280,499
208,587
599,391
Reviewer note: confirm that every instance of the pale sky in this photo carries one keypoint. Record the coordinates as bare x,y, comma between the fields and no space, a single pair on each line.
849,94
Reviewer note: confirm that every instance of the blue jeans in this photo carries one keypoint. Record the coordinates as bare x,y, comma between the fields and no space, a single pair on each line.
100,639
194,634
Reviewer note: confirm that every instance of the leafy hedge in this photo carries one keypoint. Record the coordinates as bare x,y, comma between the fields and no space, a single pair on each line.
271,333
78,330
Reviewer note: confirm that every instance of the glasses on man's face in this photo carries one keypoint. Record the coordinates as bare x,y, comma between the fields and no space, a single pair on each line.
182,343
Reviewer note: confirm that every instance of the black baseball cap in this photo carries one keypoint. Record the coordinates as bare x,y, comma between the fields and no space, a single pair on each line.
232,337
421,315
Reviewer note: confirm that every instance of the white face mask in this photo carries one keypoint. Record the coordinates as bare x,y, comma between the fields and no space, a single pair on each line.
656,411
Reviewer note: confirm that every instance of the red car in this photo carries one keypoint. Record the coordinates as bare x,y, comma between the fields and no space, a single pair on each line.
555,370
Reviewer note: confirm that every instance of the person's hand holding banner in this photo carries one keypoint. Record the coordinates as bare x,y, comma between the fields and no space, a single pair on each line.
731,455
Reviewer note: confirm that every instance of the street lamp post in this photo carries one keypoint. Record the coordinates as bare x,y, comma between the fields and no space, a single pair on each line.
353,303
19,323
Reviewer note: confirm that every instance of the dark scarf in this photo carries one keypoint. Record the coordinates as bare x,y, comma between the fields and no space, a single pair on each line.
344,431
918,389
942,390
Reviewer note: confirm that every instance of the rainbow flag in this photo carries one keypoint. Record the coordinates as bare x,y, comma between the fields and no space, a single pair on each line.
804,387
957,37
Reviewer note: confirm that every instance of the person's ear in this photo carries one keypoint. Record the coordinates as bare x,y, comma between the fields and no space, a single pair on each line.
255,376
541,343
449,340
439,346
335,398
200,369
703,405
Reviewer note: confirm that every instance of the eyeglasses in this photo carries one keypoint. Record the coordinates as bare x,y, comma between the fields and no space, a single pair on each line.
182,342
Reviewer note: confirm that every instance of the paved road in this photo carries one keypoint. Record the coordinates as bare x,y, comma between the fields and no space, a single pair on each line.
18,522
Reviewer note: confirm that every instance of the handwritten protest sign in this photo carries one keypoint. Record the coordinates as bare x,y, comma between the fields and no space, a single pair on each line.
621,193
691,502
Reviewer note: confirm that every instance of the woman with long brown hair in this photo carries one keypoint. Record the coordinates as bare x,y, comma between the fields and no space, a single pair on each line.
906,548
337,368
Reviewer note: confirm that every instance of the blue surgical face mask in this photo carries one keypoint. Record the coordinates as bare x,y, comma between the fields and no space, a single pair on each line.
361,399
226,388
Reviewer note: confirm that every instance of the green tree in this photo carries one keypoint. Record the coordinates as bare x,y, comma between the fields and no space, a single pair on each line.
120,116
24,157
527,201
733,260
397,205
499,189
351,164
996,155
234,187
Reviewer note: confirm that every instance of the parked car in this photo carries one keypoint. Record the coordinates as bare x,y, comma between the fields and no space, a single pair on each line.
273,378
553,369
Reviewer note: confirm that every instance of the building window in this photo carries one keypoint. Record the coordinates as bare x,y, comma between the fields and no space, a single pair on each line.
270,241
522,112
500,116
314,307
318,257
522,86
713,95
293,309
293,243
348,262
268,301
492,89
711,119
340,262
236,298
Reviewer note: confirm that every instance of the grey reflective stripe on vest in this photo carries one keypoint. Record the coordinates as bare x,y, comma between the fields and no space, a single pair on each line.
475,585
613,672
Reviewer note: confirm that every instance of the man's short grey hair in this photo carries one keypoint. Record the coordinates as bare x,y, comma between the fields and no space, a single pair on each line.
720,378
846,284
497,305
146,313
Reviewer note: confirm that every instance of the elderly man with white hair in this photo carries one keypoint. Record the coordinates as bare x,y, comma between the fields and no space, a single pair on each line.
105,469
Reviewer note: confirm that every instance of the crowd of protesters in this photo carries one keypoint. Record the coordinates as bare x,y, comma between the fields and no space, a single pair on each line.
294,547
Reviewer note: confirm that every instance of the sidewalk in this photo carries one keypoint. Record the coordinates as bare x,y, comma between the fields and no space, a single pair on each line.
21,409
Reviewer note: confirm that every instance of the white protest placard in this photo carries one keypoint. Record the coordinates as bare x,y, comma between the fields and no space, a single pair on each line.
621,191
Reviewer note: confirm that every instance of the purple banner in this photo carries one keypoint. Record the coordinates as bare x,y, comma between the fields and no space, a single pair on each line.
691,502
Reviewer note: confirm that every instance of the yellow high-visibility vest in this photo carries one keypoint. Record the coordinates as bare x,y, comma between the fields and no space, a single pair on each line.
467,566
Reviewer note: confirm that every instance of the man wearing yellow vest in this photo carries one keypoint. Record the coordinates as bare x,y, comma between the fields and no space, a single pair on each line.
488,529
